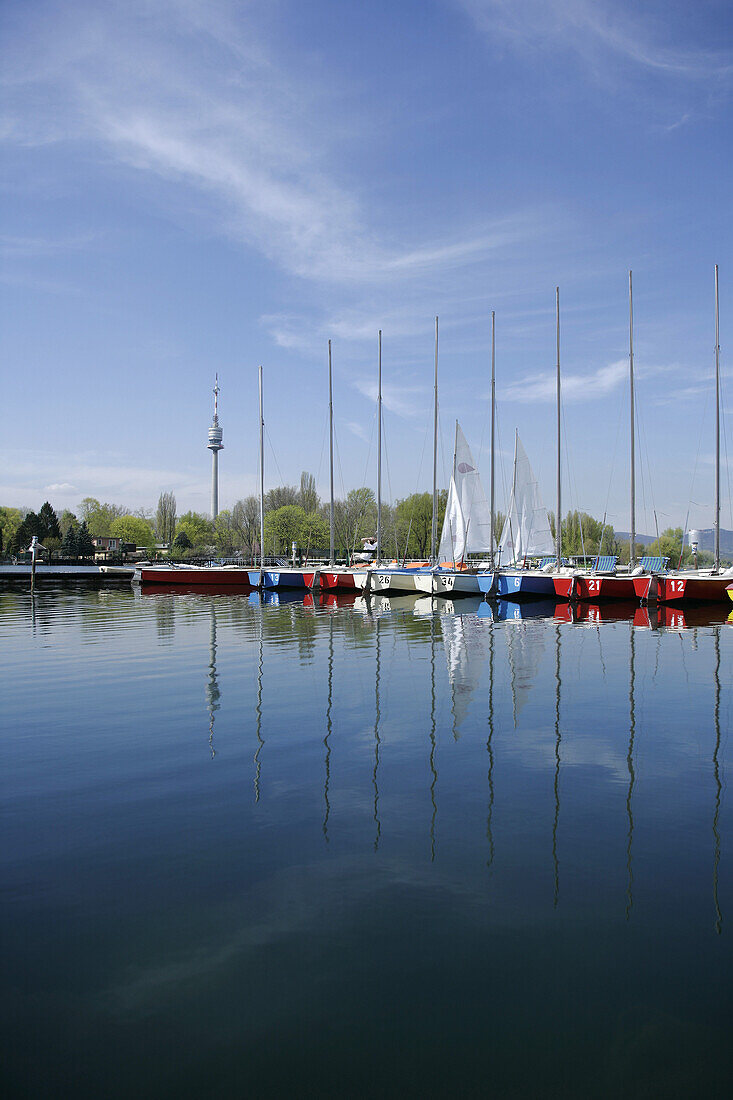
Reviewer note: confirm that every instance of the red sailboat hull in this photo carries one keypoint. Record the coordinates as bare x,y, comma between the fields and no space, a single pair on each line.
681,589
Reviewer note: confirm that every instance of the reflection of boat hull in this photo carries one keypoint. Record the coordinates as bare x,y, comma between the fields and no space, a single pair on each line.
451,584
680,588
511,611
196,577
674,617
525,585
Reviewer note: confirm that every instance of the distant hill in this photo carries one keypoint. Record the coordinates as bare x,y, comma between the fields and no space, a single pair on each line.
706,539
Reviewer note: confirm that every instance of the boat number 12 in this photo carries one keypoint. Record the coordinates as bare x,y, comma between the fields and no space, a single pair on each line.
678,586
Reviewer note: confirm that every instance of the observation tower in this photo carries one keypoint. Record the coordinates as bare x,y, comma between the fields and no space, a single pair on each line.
215,445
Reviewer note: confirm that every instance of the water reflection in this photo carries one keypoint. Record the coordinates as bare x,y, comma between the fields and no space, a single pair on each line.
499,659
718,787
212,683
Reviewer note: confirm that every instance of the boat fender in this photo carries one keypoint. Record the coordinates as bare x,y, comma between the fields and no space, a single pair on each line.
549,567
637,572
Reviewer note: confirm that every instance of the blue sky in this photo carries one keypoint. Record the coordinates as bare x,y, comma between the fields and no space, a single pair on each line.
191,186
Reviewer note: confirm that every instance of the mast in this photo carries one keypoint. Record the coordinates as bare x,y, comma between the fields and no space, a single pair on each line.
717,429
330,452
262,483
558,522
632,555
379,453
434,527
493,424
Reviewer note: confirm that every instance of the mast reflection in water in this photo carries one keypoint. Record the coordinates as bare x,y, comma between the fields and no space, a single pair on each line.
506,851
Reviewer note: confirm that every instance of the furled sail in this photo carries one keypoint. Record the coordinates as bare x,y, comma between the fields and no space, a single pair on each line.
526,530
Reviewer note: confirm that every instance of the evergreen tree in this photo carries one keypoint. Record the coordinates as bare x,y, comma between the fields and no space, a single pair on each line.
69,545
48,523
182,541
84,544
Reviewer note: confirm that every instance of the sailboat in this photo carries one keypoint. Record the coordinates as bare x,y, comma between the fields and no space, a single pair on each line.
334,578
603,582
383,578
710,585
468,524
277,578
466,530
526,532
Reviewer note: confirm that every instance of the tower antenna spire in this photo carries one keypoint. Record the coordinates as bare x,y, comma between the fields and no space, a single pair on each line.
215,445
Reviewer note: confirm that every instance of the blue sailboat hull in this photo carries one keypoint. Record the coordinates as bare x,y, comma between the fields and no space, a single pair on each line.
520,586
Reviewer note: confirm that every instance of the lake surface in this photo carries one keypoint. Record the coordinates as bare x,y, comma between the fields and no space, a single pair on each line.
363,848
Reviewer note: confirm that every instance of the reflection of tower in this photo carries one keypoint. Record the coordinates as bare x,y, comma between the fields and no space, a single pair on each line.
215,445
212,686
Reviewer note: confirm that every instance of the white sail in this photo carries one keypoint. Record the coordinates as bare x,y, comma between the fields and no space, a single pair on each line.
453,537
526,530
474,505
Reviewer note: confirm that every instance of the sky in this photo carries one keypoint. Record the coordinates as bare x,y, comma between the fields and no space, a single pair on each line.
200,186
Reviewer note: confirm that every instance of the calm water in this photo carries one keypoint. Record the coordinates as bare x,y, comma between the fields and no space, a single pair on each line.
362,849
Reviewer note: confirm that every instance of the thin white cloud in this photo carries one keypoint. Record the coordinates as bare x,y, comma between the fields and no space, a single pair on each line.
229,120
575,387
404,401
591,29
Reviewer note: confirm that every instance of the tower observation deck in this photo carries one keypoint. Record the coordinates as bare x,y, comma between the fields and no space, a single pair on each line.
215,445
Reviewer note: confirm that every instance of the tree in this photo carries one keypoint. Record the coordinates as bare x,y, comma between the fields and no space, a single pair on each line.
29,526
69,546
279,497
315,533
10,521
99,517
308,497
414,523
165,519
669,545
68,519
84,544
133,529
283,527
48,522
181,541
245,523
199,529
224,533
355,519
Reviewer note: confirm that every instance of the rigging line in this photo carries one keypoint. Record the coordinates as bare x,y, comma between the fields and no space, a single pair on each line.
272,450
703,420
725,448
323,447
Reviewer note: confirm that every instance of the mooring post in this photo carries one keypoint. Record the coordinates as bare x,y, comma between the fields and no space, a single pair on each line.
33,549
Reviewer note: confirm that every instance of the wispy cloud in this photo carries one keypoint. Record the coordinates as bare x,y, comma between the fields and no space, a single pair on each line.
191,93
404,401
575,387
592,28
